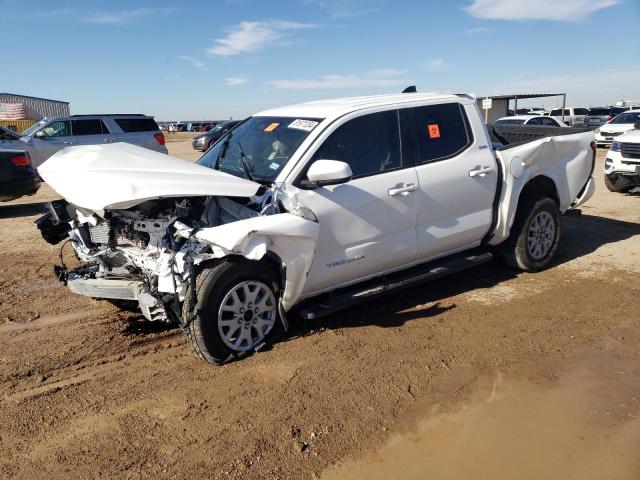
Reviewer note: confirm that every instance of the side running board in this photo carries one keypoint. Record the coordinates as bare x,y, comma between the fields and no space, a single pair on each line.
358,294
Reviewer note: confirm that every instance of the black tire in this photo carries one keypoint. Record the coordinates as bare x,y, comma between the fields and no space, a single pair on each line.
210,144
618,184
517,251
212,286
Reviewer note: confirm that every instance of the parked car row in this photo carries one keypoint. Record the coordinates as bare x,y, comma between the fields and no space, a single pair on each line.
188,127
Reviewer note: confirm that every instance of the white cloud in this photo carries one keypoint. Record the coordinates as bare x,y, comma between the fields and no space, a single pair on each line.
437,64
348,8
118,17
375,78
629,76
559,10
476,31
249,37
105,17
194,61
235,81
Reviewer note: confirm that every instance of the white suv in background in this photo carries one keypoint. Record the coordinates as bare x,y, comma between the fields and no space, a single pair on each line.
573,116
622,164
50,135
617,126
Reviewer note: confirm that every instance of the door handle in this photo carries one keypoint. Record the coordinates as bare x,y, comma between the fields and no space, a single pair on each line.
481,171
68,143
108,140
403,189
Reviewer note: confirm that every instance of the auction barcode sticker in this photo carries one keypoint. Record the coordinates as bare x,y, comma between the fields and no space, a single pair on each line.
306,125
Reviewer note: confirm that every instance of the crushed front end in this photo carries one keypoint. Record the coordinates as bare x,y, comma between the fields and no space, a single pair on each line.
140,254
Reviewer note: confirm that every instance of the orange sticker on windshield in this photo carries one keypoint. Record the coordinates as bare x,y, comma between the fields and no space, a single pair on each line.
434,130
271,127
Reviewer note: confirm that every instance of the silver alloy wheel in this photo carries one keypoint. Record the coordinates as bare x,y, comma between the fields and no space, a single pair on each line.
246,315
542,233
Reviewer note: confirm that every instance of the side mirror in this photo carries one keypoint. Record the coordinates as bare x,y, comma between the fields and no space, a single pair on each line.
637,125
41,134
327,172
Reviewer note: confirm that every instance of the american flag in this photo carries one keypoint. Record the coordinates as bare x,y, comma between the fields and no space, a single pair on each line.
12,111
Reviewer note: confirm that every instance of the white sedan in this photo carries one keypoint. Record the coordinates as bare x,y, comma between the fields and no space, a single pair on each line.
617,126
530,120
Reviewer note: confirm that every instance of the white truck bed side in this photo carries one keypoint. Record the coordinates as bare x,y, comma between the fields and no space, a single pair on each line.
567,160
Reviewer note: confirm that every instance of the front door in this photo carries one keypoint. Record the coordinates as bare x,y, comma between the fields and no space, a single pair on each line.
57,135
367,225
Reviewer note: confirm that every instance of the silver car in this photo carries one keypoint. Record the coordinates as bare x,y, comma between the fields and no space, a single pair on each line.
53,134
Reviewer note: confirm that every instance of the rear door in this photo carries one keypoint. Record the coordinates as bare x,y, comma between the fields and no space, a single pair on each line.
141,131
91,132
367,225
57,135
457,177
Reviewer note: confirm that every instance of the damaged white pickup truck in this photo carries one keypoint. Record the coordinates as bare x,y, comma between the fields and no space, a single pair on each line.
310,207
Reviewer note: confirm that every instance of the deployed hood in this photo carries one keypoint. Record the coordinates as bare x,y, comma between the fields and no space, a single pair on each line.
121,175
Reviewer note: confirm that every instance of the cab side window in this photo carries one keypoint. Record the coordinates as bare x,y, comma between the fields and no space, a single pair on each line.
370,144
443,131
58,129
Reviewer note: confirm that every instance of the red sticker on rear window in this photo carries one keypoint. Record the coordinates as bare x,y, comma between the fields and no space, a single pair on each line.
434,130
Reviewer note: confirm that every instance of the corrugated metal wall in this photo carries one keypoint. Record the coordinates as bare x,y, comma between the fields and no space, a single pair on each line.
38,108
499,109
17,125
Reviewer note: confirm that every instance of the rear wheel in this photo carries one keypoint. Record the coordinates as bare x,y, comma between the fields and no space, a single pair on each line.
618,184
236,310
535,235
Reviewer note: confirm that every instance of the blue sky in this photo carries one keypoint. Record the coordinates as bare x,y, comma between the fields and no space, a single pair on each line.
195,59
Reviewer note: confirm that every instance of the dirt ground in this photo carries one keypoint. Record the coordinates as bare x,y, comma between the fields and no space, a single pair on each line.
486,374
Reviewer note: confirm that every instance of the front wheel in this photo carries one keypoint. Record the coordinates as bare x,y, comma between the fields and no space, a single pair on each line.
235,310
535,235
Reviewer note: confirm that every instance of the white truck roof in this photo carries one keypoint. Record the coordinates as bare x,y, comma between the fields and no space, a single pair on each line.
337,107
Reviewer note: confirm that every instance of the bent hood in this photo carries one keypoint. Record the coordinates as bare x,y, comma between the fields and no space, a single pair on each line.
121,175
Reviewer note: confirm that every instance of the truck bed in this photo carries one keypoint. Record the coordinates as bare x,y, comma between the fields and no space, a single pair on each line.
512,135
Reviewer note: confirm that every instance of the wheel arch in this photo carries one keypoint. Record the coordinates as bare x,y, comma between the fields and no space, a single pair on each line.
539,186
536,187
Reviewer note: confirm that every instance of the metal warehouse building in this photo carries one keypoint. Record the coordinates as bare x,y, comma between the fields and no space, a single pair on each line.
37,108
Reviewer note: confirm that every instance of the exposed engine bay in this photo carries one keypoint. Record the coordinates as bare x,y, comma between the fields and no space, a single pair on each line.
149,253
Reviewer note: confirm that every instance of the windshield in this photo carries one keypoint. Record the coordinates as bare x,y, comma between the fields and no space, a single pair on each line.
509,122
32,128
626,118
260,147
